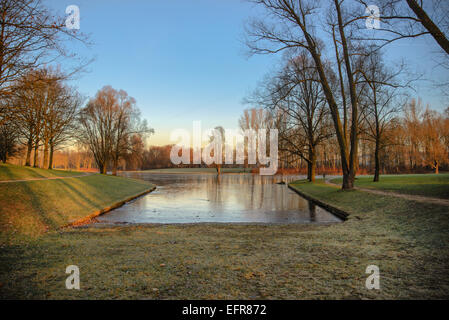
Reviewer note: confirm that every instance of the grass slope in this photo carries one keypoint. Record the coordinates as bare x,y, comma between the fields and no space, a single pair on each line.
428,185
28,209
407,240
12,172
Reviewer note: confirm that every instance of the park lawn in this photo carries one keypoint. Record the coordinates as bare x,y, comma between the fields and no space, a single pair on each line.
428,185
406,239
30,208
13,172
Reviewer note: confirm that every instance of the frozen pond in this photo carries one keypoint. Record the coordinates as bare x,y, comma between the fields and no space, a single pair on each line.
229,198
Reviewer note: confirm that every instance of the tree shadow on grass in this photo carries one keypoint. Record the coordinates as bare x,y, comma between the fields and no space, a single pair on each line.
36,205
5,170
78,193
55,216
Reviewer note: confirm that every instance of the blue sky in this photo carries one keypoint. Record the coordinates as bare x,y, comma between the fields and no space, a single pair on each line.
184,60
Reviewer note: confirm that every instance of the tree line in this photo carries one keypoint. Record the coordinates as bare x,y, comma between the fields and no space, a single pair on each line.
43,113
415,140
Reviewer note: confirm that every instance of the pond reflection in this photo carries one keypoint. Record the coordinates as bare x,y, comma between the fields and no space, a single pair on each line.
194,198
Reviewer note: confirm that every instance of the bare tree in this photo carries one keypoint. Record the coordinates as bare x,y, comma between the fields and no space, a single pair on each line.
297,99
107,125
60,120
255,119
412,124
293,25
134,159
96,127
218,133
128,123
30,36
44,111
30,101
380,102
434,132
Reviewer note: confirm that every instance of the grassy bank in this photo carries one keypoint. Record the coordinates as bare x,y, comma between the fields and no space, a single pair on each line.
407,240
12,172
28,209
428,185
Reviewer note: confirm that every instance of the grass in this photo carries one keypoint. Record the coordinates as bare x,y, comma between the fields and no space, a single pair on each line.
428,185
12,172
29,209
406,239
200,170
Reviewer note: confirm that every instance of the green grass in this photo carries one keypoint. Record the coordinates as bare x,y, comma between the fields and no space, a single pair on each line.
406,239
199,170
12,172
28,209
428,185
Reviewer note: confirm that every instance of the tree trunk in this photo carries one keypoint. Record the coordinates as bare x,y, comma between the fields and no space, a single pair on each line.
311,164
348,182
436,167
102,168
313,170
376,162
309,171
28,157
36,154
349,173
114,168
44,165
50,159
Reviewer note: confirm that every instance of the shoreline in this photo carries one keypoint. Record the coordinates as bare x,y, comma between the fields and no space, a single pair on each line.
334,210
90,218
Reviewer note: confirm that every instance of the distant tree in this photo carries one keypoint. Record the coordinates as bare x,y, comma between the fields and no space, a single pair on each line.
127,125
412,125
299,95
255,119
434,131
219,133
379,102
134,158
107,125
156,157
96,127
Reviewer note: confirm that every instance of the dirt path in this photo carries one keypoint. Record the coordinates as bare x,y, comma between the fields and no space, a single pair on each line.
423,199
47,178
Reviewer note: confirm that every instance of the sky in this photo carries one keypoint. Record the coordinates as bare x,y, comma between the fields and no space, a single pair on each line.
185,60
